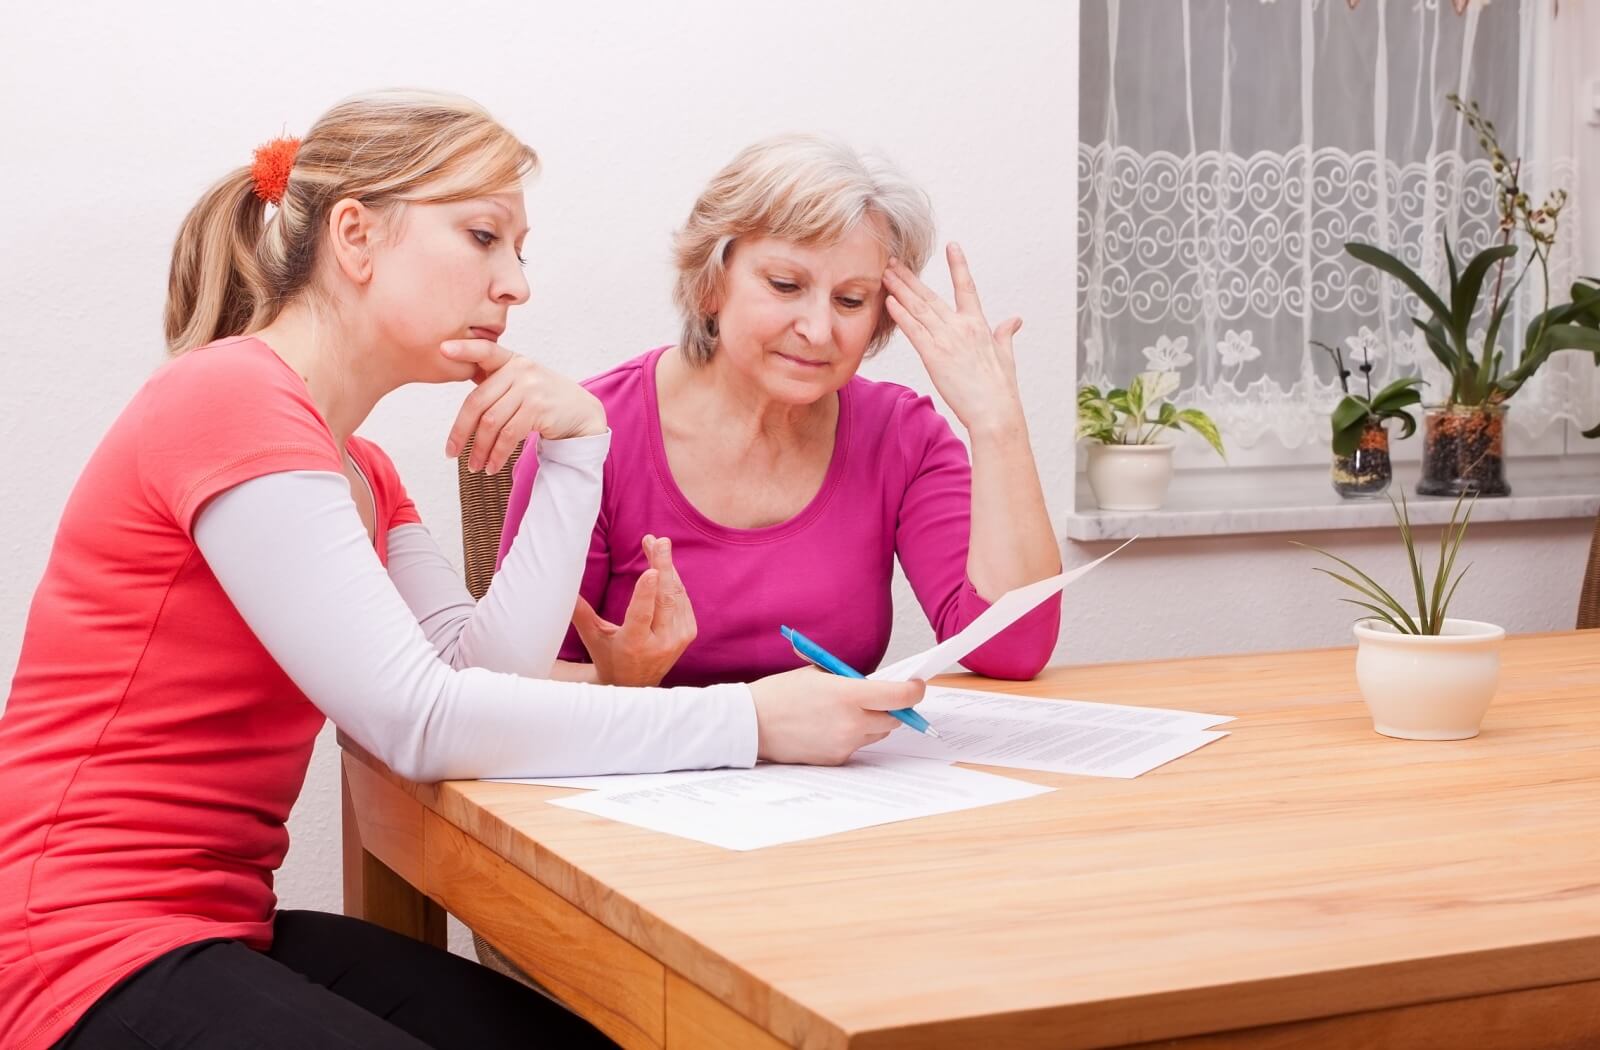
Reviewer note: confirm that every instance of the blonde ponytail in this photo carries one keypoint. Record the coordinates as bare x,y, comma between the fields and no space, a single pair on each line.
216,280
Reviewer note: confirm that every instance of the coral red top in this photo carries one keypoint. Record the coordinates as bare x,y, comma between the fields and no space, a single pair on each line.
151,748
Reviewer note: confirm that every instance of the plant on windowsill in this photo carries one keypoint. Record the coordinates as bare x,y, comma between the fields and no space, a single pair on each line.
1424,675
1463,446
1129,469
1361,465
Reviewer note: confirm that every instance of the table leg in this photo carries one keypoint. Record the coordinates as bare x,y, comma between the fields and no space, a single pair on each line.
372,890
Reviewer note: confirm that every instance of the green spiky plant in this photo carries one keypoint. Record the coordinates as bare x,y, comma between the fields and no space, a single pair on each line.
1433,601
1138,414
1483,378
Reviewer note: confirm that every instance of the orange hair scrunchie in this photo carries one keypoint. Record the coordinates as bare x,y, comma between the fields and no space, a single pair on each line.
271,168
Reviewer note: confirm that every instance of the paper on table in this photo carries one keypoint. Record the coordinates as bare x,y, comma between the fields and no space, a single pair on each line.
1009,608
768,805
603,781
1060,736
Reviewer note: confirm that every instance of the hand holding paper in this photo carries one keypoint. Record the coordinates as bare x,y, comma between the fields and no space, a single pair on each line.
1002,614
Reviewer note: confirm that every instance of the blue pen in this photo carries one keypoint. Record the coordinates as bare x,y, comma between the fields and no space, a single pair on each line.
812,653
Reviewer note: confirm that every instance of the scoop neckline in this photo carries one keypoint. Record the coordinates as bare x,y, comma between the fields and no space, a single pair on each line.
728,533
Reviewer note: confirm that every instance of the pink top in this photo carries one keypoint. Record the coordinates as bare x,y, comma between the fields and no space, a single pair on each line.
899,484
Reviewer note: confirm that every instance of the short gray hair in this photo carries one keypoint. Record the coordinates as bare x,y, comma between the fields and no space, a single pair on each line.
809,189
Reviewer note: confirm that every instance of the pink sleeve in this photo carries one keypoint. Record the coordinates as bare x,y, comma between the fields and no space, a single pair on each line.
931,539
522,476
597,566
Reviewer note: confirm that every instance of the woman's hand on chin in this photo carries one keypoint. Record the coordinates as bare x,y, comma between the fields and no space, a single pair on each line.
971,366
657,627
515,397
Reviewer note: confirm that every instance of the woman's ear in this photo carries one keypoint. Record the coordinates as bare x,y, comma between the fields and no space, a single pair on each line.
351,229
711,303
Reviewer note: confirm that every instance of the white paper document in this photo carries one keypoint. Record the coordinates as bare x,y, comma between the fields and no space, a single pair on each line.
602,781
1059,736
772,804
1008,609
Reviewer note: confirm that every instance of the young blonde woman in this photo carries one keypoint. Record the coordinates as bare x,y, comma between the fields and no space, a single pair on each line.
234,567
786,483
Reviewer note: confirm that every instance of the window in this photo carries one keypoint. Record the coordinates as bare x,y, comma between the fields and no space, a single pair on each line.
1229,148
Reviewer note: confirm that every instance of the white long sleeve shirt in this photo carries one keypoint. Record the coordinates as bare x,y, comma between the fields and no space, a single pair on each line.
436,686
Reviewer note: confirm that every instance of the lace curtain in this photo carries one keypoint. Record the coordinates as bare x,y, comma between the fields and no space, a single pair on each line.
1229,149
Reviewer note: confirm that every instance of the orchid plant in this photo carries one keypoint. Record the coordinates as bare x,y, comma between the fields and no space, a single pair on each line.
1485,377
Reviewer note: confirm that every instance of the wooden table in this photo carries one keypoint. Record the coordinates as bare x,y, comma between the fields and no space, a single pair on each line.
1302,882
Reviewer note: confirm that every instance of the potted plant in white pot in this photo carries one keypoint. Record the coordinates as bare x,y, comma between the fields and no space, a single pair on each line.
1129,469
1425,676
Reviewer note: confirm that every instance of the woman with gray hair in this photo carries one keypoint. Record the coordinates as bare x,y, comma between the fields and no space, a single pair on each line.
782,482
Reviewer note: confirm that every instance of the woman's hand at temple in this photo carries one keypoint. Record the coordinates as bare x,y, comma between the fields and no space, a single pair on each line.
971,366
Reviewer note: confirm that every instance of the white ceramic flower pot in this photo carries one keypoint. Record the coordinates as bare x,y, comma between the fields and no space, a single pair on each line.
1428,687
1129,477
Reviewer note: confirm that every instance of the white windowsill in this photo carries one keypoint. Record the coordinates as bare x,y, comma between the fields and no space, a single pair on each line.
1301,499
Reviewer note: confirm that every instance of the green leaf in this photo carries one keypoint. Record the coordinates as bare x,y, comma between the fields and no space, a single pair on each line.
1556,337
1583,309
1392,400
1404,387
1201,424
1491,335
1136,398
1346,441
1375,256
1464,297
1349,412
1389,619
1411,558
1096,424
1450,268
1435,335
1378,596
1373,589
1572,337
1450,538
1349,419
1452,593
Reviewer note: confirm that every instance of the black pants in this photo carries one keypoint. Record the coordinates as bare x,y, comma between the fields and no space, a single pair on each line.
329,981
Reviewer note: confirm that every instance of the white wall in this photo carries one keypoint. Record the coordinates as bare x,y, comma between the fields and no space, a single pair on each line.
116,117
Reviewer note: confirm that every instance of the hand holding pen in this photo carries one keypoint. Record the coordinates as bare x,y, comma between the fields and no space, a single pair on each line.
812,653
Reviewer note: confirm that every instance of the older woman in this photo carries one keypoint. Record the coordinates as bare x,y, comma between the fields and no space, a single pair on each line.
783,483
